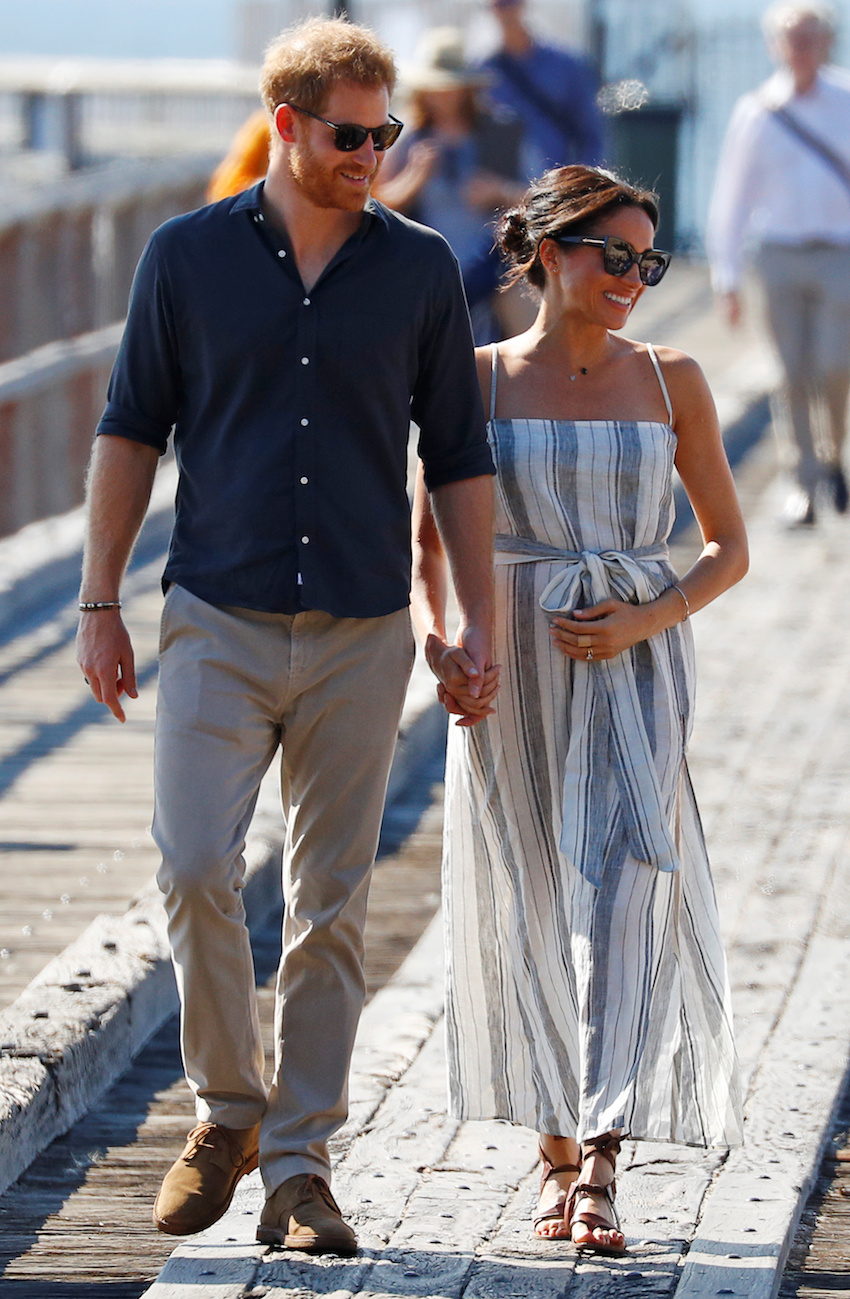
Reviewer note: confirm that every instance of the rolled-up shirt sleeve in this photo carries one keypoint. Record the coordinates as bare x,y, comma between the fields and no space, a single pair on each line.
446,402
143,397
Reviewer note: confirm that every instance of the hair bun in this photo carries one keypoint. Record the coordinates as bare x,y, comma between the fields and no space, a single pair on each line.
512,234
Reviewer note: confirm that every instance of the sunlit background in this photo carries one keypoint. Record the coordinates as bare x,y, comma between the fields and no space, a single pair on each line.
670,70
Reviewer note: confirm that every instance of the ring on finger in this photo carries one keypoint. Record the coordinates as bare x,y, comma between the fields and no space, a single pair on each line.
583,642
589,655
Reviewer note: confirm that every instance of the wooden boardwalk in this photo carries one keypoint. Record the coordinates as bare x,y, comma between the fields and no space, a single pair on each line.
78,1223
442,1207
819,1263
77,789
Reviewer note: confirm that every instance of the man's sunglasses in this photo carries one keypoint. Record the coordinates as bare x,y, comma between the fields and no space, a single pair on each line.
618,257
349,136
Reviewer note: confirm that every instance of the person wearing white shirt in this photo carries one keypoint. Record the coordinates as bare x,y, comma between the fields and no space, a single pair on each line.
783,191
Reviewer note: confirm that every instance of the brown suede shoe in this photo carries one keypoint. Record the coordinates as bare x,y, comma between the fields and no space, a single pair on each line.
198,1188
302,1214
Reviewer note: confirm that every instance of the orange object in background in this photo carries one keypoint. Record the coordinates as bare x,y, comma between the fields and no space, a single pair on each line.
246,161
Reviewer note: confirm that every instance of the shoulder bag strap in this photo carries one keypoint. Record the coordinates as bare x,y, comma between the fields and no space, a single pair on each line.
533,95
824,151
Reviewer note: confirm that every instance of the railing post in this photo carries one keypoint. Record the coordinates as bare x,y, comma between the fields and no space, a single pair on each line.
70,105
33,119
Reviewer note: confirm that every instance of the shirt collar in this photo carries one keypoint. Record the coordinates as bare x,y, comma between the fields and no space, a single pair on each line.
249,201
780,89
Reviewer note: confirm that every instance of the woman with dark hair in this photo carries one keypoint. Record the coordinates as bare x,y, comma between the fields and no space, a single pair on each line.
588,996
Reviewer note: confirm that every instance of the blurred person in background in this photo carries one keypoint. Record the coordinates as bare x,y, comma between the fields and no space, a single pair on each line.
246,161
457,165
552,90
783,184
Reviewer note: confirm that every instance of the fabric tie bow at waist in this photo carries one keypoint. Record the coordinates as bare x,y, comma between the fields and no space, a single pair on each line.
607,727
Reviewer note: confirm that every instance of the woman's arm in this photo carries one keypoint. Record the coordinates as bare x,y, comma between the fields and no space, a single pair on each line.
707,479
398,186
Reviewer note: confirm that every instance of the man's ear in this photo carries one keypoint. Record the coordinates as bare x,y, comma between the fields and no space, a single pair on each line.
284,123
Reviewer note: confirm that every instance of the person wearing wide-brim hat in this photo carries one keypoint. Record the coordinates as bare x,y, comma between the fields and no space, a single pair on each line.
440,63
459,163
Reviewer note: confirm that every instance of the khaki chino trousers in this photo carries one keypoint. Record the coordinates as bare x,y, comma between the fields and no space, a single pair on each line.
807,306
235,686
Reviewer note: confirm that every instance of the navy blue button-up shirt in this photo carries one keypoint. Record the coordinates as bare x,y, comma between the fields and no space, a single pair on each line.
291,410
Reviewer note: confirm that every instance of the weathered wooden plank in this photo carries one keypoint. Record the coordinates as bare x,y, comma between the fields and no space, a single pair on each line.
743,1249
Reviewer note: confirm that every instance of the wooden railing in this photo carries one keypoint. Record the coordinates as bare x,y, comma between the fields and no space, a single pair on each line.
66,265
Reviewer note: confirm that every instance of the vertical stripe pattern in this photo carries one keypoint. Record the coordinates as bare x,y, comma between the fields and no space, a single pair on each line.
587,981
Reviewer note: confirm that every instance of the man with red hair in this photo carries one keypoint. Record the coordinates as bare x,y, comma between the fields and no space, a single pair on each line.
287,335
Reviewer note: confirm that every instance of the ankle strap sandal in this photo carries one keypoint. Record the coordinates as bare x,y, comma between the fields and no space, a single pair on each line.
608,1146
547,1171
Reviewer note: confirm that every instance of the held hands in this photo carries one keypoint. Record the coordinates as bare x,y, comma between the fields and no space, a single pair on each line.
106,657
463,689
601,632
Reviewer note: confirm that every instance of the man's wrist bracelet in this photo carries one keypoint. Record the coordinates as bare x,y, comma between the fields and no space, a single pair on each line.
675,587
91,606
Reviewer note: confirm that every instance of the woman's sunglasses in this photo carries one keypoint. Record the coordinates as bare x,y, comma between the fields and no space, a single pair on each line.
349,136
618,257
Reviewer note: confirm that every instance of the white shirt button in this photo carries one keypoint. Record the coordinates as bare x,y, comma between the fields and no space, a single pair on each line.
305,360
306,302
305,540
304,423
304,481
260,216
281,252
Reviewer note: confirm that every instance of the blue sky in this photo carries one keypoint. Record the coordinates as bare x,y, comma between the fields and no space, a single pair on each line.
208,28
119,28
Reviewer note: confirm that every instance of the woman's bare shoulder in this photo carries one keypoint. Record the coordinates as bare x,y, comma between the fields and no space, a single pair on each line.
682,374
674,362
484,359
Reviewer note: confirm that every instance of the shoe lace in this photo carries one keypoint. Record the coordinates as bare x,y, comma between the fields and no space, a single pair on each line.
211,1136
314,1185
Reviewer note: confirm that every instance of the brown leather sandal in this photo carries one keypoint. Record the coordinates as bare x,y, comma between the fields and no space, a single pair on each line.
609,1147
558,1212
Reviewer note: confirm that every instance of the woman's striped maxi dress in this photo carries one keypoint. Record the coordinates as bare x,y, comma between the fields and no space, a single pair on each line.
587,984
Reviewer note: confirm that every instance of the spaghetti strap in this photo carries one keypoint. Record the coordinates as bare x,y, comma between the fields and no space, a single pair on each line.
656,364
494,376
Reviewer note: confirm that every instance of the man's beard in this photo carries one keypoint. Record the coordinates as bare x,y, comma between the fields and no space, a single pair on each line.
321,185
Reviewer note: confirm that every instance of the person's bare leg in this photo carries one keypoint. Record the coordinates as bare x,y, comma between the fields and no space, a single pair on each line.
597,1170
563,1157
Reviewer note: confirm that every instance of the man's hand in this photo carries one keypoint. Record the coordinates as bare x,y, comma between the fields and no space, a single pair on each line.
106,657
464,689
730,308
120,478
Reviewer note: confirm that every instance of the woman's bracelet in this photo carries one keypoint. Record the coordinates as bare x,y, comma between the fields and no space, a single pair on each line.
91,606
674,586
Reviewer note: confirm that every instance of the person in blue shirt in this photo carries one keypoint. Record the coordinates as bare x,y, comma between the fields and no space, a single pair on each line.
283,339
551,89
